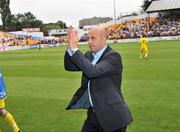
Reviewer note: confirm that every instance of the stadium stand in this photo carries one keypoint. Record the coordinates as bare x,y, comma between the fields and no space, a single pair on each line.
166,23
163,5
130,28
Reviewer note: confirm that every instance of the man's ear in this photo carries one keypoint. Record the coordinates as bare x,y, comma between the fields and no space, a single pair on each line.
106,34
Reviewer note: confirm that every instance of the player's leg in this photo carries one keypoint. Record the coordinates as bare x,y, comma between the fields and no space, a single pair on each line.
141,53
8,117
146,53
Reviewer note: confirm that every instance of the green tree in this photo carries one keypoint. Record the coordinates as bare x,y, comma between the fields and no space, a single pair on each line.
25,20
61,24
50,26
5,14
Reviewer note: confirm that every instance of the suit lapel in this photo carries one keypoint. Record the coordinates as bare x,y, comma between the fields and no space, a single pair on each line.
90,56
104,53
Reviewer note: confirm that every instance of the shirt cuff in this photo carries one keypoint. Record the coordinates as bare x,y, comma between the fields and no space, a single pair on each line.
74,50
71,52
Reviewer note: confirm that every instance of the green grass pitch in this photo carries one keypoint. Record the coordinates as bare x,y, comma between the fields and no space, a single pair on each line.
39,88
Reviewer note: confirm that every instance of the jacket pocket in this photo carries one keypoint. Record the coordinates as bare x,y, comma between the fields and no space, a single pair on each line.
113,100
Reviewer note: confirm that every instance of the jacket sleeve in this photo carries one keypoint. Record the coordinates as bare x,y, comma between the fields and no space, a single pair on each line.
69,65
110,64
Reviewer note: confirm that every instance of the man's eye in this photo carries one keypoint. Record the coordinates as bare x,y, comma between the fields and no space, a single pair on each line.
92,38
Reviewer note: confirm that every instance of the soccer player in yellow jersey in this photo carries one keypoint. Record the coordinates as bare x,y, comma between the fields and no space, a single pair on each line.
3,112
143,46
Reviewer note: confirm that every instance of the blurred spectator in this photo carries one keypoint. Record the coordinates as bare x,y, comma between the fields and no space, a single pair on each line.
84,37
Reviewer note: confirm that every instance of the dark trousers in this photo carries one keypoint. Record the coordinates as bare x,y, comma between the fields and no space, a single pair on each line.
91,124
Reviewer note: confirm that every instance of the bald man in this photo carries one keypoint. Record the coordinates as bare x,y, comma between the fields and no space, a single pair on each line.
100,90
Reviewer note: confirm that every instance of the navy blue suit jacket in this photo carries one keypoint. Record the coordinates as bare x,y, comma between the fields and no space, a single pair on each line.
108,103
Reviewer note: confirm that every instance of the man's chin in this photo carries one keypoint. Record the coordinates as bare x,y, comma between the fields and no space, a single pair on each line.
91,49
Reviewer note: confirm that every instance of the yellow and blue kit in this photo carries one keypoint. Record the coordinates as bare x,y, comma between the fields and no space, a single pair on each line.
143,47
2,91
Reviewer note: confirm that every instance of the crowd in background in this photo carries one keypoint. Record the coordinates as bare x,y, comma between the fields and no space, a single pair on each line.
7,39
165,26
129,29
12,40
153,27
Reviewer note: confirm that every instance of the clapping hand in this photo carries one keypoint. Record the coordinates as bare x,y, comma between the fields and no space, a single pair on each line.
72,38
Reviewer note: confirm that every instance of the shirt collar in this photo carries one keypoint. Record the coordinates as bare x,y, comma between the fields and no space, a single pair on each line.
100,52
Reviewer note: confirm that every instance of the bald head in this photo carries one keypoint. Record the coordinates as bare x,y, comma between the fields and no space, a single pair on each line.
99,31
97,39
